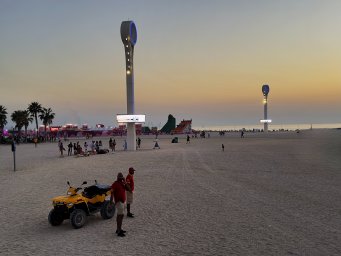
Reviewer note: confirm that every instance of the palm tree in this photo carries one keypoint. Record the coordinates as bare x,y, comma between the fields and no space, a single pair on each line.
47,117
22,118
27,119
18,117
34,109
3,117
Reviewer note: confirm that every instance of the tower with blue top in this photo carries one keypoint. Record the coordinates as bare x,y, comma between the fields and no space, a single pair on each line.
266,121
129,38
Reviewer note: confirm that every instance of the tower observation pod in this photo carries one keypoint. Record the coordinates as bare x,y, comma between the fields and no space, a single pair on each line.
266,121
129,38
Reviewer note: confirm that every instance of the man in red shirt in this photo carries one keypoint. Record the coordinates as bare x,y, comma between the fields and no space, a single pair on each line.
130,190
118,193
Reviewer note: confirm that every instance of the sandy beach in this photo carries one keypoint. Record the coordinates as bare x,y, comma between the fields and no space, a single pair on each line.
266,194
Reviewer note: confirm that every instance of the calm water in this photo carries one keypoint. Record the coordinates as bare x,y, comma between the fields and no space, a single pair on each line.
271,127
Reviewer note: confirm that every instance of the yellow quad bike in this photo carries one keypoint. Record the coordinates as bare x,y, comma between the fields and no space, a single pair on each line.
77,206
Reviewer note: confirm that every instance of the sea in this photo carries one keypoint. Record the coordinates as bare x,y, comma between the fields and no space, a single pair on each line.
276,127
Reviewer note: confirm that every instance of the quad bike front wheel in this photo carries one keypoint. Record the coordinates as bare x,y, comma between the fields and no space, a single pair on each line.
107,210
78,218
55,218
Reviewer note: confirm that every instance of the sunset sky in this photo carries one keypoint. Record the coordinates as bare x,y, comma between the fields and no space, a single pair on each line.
204,60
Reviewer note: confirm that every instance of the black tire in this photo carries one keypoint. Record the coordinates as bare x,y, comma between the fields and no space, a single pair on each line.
107,212
55,218
78,218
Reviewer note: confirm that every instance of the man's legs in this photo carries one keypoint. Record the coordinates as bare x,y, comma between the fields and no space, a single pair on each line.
119,218
130,196
129,214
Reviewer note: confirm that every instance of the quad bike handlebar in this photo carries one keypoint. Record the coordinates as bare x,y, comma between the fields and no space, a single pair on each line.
74,191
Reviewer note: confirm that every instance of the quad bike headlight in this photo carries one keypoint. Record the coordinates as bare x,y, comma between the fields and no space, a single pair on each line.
69,205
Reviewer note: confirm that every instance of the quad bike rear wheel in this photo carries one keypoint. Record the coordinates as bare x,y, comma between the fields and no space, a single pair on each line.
107,210
55,218
78,218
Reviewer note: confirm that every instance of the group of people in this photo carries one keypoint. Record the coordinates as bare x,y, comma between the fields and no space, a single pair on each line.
122,192
78,150
112,144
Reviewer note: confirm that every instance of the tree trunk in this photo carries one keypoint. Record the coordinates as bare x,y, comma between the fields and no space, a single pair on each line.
36,117
25,134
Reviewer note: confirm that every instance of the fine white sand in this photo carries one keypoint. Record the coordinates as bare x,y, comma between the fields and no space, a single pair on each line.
266,194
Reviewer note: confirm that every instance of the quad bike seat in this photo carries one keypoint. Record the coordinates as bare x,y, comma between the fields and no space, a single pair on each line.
94,190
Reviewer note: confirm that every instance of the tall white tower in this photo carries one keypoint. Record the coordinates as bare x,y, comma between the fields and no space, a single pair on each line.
129,38
266,121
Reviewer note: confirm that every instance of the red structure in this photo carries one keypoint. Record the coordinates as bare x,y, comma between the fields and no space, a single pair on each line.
185,126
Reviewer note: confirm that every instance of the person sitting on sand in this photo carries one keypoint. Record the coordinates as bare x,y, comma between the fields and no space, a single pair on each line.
79,150
102,151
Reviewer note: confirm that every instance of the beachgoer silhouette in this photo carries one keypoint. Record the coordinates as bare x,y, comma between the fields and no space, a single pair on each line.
61,149
114,144
75,148
69,151
110,144
85,147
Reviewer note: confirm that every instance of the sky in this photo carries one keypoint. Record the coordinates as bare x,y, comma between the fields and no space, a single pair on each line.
204,60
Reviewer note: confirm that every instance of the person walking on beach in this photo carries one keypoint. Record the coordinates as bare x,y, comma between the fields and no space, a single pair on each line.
69,151
35,140
125,145
138,142
114,144
61,149
188,139
130,190
118,194
75,148
222,147
110,145
242,134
